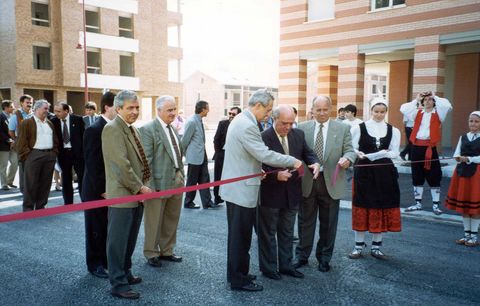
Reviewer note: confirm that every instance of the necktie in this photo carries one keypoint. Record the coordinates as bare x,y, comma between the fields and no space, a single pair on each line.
284,145
146,168
319,144
174,144
65,134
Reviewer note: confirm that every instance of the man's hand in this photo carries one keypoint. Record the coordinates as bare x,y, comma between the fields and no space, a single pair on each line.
316,169
264,175
461,159
344,163
361,155
145,189
298,164
283,176
104,195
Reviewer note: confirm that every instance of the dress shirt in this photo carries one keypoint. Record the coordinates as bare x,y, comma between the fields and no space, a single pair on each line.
165,129
378,130
325,131
44,135
67,145
471,159
106,119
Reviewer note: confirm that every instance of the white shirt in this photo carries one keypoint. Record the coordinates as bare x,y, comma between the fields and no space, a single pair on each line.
471,159
325,131
378,130
352,123
280,139
67,145
44,135
165,129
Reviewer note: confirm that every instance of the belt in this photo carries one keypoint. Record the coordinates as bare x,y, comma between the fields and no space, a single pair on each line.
43,150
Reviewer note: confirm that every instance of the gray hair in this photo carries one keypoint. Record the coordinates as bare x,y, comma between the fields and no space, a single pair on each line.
40,103
262,96
327,98
124,95
161,101
277,111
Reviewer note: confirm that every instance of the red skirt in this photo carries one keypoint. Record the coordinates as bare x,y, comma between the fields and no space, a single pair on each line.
464,194
376,220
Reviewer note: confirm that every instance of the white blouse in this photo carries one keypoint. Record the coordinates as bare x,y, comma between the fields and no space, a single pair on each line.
471,159
378,130
353,122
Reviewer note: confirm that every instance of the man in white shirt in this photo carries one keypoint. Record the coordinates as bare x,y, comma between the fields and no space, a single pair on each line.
38,148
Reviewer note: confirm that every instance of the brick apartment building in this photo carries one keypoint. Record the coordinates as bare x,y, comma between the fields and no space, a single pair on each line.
131,44
421,44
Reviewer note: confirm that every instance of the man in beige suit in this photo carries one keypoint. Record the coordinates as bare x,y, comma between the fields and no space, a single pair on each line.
332,142
126,173
162,149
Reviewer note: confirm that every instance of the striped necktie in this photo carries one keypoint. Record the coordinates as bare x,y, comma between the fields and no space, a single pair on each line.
319,144
146,168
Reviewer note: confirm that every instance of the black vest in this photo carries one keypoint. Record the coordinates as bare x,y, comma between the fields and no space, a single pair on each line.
468,148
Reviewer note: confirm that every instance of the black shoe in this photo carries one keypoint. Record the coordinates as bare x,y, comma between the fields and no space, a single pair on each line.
324,267
173,257
251,277
191,206
219,200
12,186
133,280
293,273
130,295
99,272
211,205
154,262
272,275
300,263
402,156
249,287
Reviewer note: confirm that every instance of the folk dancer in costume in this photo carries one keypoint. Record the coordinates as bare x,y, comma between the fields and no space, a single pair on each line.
425,137
464,194
376,194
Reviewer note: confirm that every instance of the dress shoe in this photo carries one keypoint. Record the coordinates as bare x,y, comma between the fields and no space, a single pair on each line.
293,273
173,257
300,263
154,262
251,277
249,287
12,186
272,275
100,272
130,294
219,200
211,205
133,280
324,267
191,206
5,187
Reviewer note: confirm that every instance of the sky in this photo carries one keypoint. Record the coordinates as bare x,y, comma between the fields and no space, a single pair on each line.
232,39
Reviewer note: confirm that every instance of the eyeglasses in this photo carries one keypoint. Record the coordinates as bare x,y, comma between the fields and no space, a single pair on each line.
232,114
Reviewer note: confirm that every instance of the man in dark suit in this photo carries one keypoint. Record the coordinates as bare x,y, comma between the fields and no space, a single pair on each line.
218,143
93,188
280,196
332,143
7,153
69,129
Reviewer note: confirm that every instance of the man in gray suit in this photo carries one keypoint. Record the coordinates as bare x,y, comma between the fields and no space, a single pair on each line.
332,142
126,173
161,143
193,143
244,154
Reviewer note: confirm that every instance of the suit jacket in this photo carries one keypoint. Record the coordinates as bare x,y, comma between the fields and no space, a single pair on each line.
193,141
77,128
5,138
338,144
123,162
219,138
277,194
86,120
244,154
94,175
160,155
27,136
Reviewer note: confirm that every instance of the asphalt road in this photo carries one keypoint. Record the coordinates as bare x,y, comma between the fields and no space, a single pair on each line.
42,263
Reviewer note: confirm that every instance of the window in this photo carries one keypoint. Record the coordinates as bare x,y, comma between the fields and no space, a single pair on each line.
173,36
380,4
127,67
92,23
321,9
374,88
226,95
40,14
384,89
42,58
125,27
93,61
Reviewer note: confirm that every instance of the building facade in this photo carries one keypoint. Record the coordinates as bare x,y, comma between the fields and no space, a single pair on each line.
420,45
130,44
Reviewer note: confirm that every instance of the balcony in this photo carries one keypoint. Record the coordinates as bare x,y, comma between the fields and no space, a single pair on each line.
102,41
174,18
175,53
110,81
129,6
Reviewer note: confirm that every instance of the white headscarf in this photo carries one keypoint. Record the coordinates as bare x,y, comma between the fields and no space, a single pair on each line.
476,113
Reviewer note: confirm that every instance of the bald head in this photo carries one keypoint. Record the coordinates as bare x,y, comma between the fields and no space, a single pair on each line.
284,117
